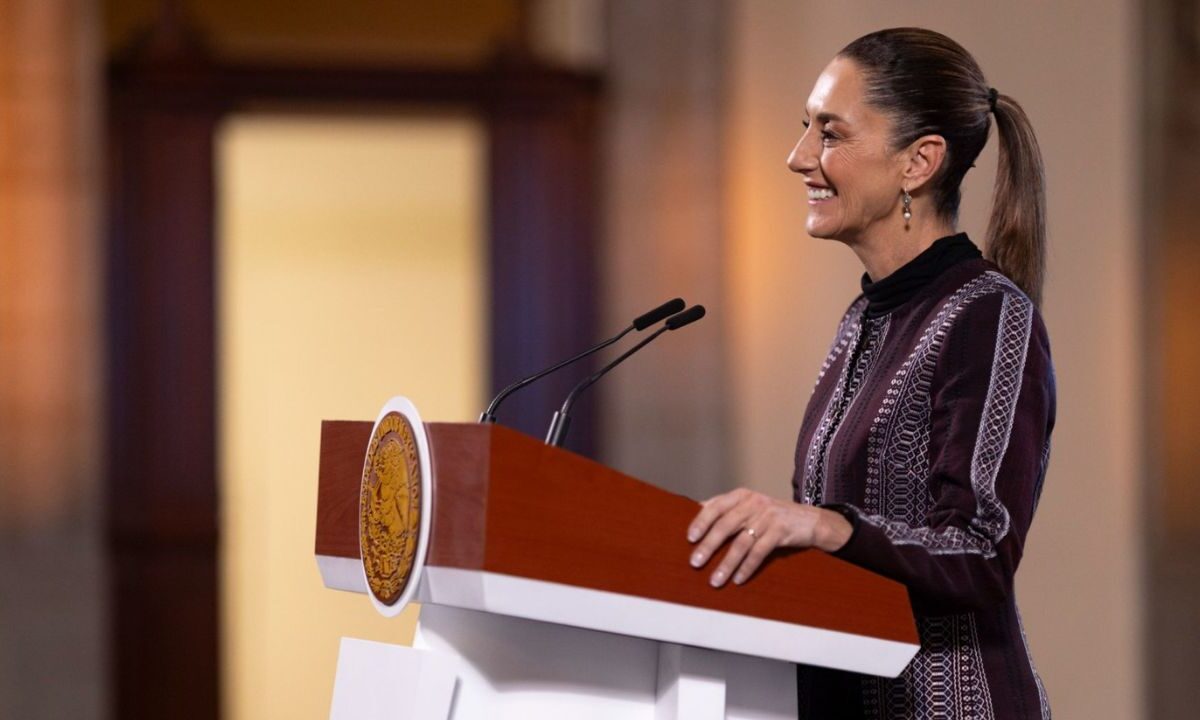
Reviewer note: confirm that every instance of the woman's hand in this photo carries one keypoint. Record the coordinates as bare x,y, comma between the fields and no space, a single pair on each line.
759,524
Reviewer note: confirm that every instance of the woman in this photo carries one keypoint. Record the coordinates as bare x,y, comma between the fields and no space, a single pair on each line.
923,449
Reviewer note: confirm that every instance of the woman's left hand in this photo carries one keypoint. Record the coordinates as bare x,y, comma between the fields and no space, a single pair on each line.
761,525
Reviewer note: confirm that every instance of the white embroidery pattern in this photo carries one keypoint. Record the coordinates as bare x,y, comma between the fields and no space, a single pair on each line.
897,494
1043,701
1037,488
903,442
845,333
949,650
842,398
847,336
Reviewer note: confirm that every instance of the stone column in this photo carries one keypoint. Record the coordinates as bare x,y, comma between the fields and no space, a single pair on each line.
51,654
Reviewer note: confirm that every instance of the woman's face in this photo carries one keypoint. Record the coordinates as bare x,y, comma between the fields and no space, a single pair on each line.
854,179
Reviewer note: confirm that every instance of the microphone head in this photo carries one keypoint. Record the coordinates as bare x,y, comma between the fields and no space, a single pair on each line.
687,317
656,315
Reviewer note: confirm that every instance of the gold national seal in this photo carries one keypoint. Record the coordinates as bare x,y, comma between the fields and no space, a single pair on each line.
389,507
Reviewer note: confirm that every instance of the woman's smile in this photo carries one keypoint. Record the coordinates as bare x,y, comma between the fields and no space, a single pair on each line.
820,195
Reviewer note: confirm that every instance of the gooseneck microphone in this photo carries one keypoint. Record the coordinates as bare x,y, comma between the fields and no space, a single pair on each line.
562,419
639,323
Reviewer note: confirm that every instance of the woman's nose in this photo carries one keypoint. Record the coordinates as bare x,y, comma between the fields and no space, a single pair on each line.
800,160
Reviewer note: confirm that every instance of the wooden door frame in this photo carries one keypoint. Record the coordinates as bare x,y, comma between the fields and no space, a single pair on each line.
161,323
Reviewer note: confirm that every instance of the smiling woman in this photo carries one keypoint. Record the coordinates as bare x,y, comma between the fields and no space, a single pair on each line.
852,174
922,452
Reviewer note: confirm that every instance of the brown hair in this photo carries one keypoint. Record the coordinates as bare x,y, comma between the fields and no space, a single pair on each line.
929,85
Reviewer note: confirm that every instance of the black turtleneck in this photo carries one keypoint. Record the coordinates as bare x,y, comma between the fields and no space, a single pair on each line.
898,288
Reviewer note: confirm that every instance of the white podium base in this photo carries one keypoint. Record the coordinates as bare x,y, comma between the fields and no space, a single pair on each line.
510,668
376,680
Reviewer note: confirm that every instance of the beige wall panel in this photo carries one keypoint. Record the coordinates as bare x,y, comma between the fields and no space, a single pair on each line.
665,416
1072,65
351,268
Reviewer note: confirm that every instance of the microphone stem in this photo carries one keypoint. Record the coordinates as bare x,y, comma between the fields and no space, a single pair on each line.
562,419
489,415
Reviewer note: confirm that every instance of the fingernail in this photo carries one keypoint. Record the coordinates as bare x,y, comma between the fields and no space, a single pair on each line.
739,579
717,578
697,559
693,536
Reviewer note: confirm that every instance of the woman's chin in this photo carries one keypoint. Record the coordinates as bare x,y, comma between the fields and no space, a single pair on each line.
820,230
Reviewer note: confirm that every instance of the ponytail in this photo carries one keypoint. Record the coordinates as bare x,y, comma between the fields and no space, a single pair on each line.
1016,234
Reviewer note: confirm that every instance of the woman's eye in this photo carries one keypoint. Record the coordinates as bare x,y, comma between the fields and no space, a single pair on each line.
827,136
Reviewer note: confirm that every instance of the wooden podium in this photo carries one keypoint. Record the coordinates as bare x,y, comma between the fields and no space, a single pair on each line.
556,587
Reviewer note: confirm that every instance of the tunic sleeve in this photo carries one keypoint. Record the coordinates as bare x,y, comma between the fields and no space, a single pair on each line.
991,415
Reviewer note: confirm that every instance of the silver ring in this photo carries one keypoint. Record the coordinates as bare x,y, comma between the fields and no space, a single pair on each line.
751,533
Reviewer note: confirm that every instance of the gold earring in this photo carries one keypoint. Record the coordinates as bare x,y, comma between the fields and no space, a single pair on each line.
907,207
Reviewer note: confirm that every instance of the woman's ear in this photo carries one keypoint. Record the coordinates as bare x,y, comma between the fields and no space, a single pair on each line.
924,158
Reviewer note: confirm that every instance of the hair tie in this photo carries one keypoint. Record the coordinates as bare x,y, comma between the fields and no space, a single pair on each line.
992,95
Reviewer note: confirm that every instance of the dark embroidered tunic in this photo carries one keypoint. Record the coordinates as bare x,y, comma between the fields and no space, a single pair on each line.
929,429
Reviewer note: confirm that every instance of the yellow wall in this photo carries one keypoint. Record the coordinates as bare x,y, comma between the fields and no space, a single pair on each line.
1073,67
351,269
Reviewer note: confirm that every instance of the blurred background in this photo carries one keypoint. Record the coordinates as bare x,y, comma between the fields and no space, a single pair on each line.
222,221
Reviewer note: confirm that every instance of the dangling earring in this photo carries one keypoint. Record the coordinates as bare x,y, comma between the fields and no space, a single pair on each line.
907,208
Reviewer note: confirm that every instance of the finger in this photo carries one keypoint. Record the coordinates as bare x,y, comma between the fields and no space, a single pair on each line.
737,551
764,546
712,509
724,527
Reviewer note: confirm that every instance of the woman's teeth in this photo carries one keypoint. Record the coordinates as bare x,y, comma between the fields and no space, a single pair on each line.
820,193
